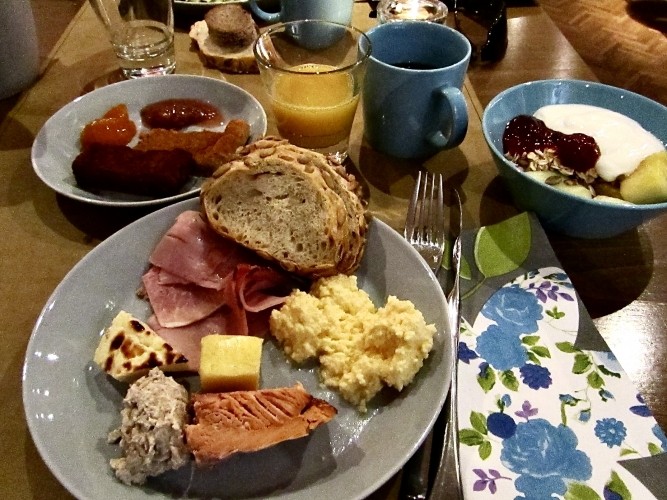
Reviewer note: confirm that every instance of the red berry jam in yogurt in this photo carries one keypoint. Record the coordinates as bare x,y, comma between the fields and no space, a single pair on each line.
525,134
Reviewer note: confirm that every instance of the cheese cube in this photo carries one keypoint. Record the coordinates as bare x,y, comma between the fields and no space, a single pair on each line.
230,363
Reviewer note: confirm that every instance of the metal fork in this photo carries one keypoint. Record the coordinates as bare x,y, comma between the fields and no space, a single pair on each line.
425,230
425,223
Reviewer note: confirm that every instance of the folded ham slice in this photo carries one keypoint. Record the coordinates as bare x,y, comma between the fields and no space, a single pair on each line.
180,304
200,283
194,252
246,421
188,338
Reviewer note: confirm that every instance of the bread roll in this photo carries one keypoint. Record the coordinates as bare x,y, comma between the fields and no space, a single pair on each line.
289,205
225,38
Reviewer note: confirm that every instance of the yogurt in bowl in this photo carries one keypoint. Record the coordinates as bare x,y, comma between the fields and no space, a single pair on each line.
623,142
561,211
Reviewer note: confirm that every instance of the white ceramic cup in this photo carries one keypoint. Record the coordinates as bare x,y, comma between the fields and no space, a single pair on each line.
19,56
335,11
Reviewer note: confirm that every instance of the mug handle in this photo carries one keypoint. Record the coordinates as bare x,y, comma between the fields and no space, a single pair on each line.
269,17
454,111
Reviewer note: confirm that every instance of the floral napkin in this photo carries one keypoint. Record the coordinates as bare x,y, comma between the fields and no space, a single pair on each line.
545,409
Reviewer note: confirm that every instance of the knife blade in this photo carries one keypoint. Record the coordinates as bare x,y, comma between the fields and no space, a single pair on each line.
451,447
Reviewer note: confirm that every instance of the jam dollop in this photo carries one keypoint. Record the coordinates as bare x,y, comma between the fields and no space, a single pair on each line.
179,113
525,134
114,128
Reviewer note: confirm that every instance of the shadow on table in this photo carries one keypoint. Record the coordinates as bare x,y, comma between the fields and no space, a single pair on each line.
608,273
652,13
100,222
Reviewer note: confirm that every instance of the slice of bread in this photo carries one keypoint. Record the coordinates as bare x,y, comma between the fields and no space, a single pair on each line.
230,26
289,205
225,37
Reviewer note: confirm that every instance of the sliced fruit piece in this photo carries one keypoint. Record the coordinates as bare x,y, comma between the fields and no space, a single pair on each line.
648,183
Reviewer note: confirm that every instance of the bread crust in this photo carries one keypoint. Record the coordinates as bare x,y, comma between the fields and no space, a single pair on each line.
306,215
232,58
230,26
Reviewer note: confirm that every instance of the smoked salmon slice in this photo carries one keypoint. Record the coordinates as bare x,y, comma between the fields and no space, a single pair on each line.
246,421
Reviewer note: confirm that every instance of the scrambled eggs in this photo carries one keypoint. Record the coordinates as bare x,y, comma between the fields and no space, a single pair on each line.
360,347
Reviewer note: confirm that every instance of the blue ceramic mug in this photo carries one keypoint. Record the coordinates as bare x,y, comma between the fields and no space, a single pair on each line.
335,11
412,101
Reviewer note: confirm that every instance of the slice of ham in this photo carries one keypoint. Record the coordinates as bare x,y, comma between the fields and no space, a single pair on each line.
200,284
187,339
249,287
180,304
194,252
261,287
246,421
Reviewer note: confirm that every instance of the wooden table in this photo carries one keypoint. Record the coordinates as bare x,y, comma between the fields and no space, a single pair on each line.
621,280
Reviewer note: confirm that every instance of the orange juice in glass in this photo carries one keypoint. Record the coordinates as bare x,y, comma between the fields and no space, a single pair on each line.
313,72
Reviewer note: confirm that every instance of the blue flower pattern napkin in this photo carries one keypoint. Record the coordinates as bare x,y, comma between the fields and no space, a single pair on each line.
540,417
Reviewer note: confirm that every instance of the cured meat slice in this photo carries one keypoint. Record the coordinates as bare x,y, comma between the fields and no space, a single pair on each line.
180,304
200,283
192,251
246,421
187,339
261,287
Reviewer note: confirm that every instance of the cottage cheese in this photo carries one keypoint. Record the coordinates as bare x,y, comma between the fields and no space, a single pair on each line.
360,347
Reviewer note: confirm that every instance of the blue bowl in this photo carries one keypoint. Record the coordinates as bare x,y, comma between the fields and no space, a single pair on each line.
559,211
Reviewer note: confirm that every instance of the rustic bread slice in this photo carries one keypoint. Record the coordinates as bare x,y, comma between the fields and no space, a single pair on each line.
284,203
225,38
338,180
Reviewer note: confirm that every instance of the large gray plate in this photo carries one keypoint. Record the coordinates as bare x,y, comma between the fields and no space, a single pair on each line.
57,143
70,406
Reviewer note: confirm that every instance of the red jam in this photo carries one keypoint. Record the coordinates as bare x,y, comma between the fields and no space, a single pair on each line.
179,113
525,134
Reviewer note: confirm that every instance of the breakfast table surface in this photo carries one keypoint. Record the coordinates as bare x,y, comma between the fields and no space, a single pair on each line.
620,280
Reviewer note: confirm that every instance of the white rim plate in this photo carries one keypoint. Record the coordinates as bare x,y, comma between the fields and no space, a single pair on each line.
57,143
349,457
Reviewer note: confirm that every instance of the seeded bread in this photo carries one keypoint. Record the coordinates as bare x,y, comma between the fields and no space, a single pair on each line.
290,205
225,39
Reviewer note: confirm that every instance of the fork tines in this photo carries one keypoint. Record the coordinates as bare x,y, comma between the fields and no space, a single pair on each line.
425,222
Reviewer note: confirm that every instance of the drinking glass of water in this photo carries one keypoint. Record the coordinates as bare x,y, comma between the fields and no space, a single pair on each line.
141,33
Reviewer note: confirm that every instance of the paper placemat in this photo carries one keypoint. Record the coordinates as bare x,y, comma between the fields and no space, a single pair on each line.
545,409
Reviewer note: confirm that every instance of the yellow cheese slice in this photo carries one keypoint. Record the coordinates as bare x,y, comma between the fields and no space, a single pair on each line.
129,348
